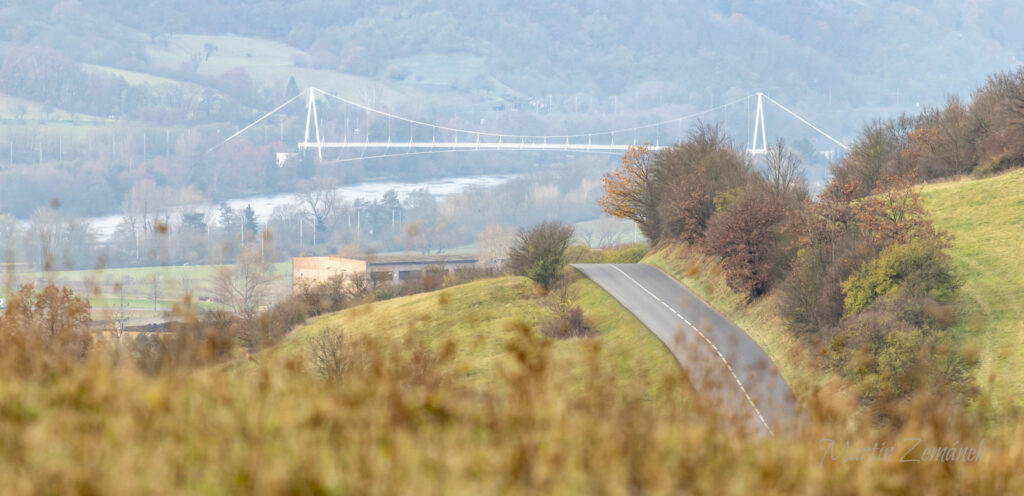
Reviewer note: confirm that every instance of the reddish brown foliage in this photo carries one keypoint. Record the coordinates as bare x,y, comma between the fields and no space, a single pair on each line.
687,210
895,215
745,237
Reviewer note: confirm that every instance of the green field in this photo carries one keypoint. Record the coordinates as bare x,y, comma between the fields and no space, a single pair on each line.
231,51
34,112
480,318
139,78
986,219
172,283
271,62
428,82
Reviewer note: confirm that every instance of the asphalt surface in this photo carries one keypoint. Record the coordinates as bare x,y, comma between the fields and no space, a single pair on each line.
721,361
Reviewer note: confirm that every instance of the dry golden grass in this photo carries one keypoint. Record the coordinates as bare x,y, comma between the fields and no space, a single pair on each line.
403,418
395,425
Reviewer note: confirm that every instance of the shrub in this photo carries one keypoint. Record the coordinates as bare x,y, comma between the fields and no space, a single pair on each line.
629,254
745,236
624,254
921,266
539,253
326,354
889,359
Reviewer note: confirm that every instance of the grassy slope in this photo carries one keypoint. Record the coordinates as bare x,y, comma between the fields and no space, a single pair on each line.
273,62
478,319
429,80
986,219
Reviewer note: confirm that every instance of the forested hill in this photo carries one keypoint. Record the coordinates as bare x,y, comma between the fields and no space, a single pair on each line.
852,54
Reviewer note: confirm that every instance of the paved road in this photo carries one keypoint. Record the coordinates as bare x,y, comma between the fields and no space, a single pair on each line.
721,361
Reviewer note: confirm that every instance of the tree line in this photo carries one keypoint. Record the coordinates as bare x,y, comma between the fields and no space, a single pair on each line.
163,224
858,271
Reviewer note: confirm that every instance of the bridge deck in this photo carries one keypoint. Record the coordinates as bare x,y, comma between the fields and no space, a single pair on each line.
417,145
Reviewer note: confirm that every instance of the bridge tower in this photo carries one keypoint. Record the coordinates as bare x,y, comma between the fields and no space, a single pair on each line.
311,118
759,129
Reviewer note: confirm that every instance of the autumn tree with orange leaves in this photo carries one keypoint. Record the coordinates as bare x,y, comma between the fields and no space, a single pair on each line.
671,194
629,193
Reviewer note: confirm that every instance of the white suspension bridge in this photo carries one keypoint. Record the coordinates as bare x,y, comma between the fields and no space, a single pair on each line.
454,139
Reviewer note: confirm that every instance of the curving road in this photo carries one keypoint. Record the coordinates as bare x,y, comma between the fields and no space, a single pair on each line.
721,361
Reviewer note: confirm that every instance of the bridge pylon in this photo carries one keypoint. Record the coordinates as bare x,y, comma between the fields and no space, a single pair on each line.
312,119
759,129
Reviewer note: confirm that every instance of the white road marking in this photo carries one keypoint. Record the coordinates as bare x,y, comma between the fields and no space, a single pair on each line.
701,334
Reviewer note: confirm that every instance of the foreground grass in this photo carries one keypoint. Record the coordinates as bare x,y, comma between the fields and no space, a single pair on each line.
478,321
986,219
402,419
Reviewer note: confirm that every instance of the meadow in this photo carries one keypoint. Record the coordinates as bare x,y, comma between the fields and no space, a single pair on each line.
476,318
145,293
986,219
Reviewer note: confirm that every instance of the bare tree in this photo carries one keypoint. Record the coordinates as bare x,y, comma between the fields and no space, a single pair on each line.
187,285
320,198
244,285
154,289
209,49
782,169
495,240
123,312
325,352
603,232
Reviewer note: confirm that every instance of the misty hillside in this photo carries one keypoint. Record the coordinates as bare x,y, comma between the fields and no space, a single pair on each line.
840,54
